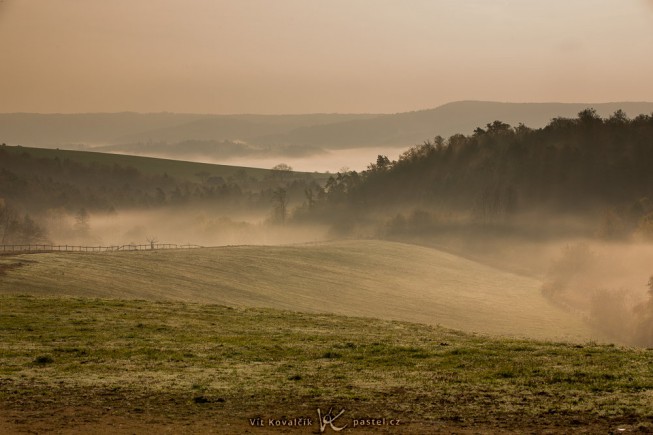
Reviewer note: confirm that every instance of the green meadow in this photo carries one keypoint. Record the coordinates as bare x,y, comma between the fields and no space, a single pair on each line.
88,365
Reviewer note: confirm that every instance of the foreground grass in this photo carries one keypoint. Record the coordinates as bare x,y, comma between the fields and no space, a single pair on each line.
68,362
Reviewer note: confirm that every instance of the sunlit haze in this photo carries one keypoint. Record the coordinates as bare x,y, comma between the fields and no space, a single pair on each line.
306,216
297,56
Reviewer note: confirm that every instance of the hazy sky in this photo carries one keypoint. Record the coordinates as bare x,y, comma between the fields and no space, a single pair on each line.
298,56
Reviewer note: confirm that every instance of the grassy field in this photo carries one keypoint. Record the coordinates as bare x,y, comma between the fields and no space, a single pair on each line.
375,279
83,365
149,165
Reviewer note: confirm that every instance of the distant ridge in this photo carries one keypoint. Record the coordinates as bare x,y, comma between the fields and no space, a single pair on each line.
409,128
94,129
318,131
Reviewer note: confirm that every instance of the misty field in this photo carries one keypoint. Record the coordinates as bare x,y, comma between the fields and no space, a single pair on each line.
386,280
85,365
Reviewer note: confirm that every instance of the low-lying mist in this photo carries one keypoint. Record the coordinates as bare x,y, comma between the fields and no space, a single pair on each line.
196,226
604,281
317,160
609,284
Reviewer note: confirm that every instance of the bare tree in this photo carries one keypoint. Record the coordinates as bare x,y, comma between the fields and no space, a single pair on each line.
281,171
82,226
13,229
280,199
152,240
310,199
7,217
282,167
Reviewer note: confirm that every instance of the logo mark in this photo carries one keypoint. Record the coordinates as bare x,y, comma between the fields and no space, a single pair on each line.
328,419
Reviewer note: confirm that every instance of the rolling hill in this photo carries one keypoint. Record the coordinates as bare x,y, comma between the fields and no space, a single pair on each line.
362,278
180,169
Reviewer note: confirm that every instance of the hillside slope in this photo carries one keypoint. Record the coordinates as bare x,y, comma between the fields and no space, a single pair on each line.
183,170
362,278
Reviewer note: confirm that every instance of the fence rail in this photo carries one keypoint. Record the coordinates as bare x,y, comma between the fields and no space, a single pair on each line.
72,248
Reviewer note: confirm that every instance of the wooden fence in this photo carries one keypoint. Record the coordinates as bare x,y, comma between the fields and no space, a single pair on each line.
71,248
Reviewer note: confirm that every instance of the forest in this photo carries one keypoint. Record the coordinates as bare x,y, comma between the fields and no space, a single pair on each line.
585,167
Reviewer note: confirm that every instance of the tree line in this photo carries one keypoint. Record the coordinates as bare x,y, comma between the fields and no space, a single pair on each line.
583,166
